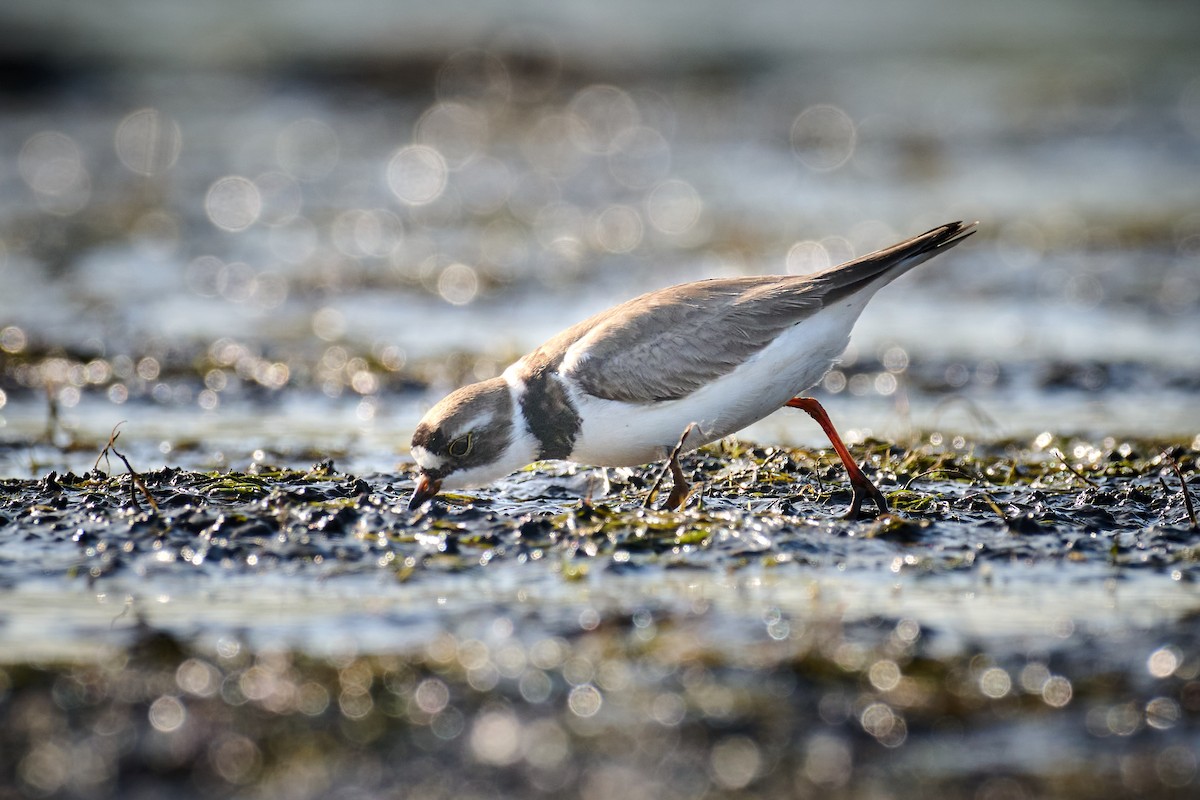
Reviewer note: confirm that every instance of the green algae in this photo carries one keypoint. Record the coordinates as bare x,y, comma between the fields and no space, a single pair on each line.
1116,502
546,689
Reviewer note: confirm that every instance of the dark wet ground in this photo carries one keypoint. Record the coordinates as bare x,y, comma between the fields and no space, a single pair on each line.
550,637
268,245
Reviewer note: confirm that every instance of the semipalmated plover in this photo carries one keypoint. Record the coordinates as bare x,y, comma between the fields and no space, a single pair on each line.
665,373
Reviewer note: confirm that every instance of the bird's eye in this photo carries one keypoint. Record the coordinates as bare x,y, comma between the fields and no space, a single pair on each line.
461,446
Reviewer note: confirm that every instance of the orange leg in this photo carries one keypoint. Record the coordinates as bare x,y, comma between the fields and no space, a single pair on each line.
862,486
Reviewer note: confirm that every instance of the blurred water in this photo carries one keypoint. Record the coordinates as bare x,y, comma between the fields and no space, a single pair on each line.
277,233
379,197
1014,608
281,238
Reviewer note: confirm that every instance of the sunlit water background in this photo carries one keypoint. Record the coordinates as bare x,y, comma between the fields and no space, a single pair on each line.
256,250
283,240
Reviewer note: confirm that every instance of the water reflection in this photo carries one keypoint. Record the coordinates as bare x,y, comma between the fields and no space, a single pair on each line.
456,131
233,203
238,244
148,142
280,196
617,229
417,174
603,114
673,207
51,164
307,149
458,284
475,75
823,137
639,157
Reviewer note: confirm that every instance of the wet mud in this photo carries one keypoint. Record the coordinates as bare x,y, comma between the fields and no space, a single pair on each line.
576,650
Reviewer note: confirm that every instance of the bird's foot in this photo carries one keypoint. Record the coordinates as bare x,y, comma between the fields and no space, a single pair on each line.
677,499
862,489
679,487
859,483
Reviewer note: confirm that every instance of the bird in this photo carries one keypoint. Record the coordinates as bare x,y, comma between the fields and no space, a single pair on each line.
665,373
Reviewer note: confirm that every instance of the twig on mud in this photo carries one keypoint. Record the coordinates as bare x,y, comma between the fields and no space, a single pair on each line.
991,501
1058,454
135,480
112,439
1187,497
53,424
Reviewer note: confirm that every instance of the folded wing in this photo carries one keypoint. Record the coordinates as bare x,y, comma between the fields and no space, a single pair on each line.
667,344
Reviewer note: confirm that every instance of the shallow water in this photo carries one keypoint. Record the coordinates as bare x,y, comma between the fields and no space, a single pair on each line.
277,242
1021,619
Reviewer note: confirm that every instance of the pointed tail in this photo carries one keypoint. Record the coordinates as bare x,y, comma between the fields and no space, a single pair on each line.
847,279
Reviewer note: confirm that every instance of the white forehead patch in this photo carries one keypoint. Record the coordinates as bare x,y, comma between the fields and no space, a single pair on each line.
425,459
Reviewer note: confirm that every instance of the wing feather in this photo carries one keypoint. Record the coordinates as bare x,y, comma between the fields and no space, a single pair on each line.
667,344
673,342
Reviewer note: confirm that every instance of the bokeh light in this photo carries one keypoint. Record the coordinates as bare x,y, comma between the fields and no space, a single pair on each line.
496,737
585,701
888,727
1057,691
735,762
673,207
367,233
233,203
605,114
13,339
456,131
148,142
884,675
458,284
167,714
618,229
51,164
417,174
1176,766
236,758
1163,662
806,257
828,761
995,682
392,221
823,137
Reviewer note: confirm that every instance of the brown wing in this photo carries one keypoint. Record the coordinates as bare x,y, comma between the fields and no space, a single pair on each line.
667,344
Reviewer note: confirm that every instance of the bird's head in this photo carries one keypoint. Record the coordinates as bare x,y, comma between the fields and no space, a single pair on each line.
466,440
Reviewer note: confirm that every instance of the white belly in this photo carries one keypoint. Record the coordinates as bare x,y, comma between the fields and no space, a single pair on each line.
616,434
